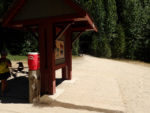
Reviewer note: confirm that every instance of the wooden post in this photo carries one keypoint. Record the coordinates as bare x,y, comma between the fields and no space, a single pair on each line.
64,73
68,56
69,61
34,86
47,58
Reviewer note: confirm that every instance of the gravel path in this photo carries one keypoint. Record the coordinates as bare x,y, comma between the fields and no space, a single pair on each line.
133,80
119,84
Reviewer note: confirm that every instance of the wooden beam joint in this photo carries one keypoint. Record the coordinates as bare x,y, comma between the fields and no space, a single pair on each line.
76,37
63,31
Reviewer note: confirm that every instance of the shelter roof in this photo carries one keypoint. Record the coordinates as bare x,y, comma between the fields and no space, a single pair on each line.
25,13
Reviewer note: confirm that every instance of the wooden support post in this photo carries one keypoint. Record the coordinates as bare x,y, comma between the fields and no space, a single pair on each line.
64,73
34,86
68,54
47,58
70,58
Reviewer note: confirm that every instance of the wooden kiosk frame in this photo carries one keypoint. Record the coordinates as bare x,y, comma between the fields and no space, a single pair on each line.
51,19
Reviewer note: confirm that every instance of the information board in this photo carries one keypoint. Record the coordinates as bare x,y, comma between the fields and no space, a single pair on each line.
59,51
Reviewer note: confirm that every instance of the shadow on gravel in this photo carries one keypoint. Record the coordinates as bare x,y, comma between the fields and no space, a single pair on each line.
82,107
48,102
18,90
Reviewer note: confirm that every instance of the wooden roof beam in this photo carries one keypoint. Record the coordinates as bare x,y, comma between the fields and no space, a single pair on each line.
91,23
66,18
83,28
63,31
11,13
77,36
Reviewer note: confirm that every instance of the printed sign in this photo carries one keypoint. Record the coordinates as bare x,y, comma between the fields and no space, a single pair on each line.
59,51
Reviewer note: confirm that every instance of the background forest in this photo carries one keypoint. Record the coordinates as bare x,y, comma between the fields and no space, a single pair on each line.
123,31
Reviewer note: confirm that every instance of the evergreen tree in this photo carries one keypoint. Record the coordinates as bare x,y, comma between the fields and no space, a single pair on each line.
111,18
118,43
103,48
123,29
75,48
94,45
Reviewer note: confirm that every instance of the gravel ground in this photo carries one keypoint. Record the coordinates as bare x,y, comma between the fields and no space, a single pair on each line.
132,77
120,85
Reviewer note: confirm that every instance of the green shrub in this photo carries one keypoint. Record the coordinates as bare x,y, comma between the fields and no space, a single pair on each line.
75,48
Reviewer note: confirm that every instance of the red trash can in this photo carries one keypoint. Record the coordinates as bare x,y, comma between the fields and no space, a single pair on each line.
33,61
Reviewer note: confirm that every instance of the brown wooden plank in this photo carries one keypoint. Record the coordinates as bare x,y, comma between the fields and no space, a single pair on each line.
70,17
42,56
47,59
77,36
12,12
69,54
63,31
60,66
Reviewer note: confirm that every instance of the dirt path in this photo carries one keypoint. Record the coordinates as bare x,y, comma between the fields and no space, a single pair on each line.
133,80
95,87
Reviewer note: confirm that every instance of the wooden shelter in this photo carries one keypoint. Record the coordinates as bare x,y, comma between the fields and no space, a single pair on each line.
54,21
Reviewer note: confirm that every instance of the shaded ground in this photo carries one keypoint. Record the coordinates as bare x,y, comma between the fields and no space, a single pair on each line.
17,91
18,86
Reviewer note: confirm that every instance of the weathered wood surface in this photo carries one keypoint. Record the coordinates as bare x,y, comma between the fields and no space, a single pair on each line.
47,58
34,86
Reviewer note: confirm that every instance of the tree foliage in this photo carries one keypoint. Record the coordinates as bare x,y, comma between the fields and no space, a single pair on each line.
123,30
18,42
124,26
75,48
118,43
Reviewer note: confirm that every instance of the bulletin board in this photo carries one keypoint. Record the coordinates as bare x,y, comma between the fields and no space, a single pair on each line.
60,50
